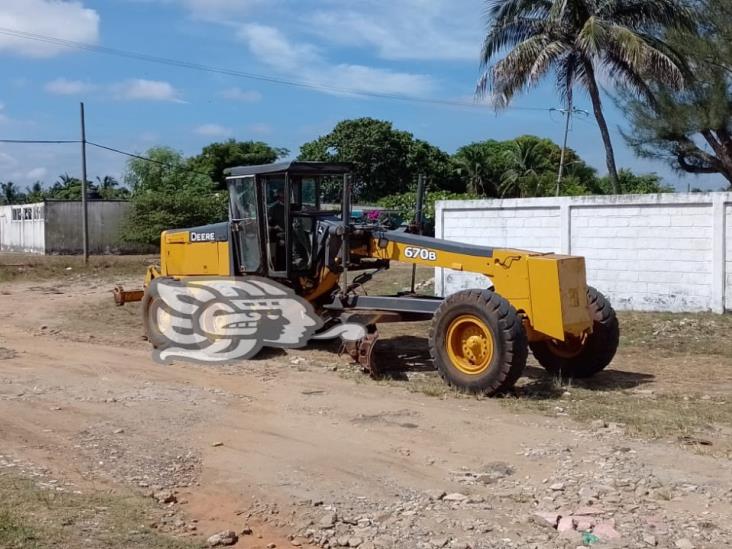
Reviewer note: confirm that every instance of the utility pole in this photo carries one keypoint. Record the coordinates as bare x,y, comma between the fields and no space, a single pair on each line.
568,115
568,112
84,213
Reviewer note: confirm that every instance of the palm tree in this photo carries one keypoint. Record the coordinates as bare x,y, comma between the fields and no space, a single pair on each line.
472,164
107,187
577,40
9,193
107,183
35,192
526,165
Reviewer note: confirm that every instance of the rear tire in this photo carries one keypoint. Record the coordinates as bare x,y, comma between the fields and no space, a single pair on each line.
478,343
583,359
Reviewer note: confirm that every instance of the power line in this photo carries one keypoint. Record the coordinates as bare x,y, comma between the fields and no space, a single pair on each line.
139,157
240,74
99,146
39,142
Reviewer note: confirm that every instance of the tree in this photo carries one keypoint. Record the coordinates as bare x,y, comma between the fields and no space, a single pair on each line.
10,194
167,194
385,161
526,166
35,193
482,165
216,157
68,188
109,189
674,125
436,164
472,165
575,40
631,183
485,167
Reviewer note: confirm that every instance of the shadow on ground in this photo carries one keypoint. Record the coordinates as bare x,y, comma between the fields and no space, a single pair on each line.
540,385
398,357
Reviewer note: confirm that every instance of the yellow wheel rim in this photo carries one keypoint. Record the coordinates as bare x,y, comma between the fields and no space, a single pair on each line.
469,344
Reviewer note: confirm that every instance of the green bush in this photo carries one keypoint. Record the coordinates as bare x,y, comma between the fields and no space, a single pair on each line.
153,213
168,194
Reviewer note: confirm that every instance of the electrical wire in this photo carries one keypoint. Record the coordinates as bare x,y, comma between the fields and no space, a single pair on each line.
39,141
139,157
97,145
241,74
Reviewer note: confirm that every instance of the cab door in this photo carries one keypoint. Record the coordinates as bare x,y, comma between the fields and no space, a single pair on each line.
246,239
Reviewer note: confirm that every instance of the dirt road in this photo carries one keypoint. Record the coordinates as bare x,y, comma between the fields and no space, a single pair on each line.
289,446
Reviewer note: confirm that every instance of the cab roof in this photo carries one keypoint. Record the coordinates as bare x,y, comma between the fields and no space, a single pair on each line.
295,167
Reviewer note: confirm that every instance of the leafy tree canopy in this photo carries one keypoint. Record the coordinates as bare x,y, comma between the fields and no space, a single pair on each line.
385,160
631,183
692,128
167,194
574,40
10,193
525,166
216,157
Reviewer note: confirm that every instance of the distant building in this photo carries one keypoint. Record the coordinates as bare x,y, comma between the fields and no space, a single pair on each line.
54,227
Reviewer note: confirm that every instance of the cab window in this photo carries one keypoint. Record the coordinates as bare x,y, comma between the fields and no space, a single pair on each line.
244,211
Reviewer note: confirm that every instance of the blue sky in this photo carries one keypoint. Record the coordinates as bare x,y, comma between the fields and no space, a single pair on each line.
422,48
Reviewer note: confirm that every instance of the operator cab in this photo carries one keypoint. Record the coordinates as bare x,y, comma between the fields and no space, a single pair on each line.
274,213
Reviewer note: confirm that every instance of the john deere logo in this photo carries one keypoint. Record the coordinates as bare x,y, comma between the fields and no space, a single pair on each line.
220,320
203,237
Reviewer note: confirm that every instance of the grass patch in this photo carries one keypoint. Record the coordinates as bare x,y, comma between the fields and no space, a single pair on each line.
16,266
35,518
677,333
642,413
15,533
398,278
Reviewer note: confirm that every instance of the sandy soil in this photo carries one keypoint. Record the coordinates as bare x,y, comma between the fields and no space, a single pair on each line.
304,455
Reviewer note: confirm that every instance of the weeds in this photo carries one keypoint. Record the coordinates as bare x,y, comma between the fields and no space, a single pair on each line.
28,267
35,518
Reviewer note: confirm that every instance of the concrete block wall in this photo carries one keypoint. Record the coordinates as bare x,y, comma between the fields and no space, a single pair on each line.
55,228
670,252
105,218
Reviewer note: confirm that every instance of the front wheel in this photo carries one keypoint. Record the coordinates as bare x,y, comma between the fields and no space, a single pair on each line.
151,320
583,357
478,342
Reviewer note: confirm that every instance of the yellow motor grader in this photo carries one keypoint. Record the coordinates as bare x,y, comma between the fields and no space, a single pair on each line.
479,338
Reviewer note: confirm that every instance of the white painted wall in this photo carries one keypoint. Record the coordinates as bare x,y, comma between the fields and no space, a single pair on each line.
728,254
668,252
23,235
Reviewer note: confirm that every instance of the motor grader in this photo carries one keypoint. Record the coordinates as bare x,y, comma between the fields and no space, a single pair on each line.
479,338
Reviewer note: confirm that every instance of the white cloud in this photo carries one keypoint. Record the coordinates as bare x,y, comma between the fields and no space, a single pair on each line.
213,130
59,19
146,90
406,29
273,48
63,86
37,174
245,96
